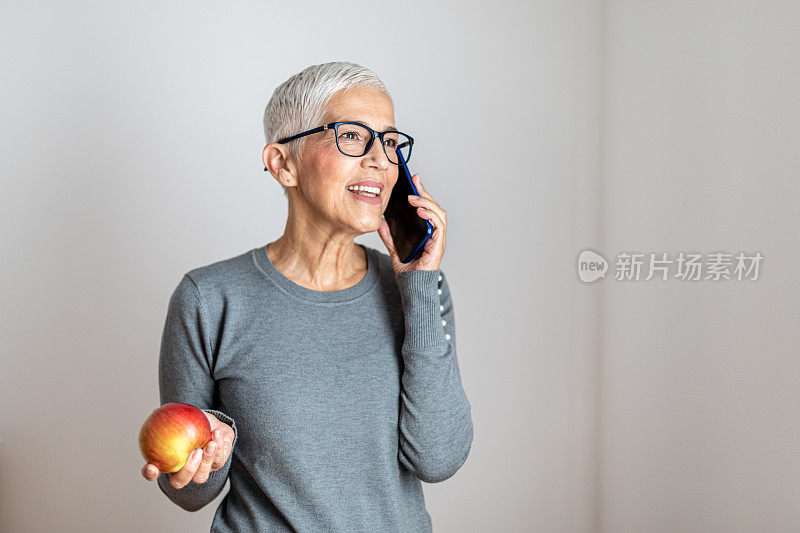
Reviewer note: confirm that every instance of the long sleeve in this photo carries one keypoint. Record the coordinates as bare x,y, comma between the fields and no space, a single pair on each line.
435,425
185,375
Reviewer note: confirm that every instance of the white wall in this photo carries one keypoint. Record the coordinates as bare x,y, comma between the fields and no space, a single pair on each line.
701,379
131,154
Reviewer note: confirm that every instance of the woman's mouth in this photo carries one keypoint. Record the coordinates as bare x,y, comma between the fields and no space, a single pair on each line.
365,196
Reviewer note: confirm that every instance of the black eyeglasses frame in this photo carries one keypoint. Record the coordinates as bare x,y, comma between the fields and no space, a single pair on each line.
374,134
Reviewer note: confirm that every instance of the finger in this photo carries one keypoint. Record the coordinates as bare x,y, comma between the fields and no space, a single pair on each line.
201,476
219,456
150,471
418,184
228,445
436,222
386,235
217,436
432,217
228,449
183,476
431,205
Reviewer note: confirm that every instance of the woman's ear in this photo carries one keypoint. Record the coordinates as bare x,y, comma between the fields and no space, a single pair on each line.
278,161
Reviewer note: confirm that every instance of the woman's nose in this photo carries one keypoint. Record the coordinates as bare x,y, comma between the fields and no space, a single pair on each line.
377,155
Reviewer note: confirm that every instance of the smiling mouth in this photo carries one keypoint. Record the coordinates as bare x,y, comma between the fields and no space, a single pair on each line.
367,198
368,194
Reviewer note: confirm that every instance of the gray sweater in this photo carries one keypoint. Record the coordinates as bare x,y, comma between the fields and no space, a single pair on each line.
341,401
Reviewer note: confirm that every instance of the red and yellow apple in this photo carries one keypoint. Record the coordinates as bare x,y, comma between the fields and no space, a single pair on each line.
171,433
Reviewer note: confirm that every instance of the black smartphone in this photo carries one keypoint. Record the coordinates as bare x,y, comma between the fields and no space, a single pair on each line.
409,231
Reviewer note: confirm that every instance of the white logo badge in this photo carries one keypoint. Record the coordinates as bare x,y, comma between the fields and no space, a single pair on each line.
591,266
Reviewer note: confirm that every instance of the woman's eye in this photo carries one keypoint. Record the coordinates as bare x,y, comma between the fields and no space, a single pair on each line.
350,136
390,142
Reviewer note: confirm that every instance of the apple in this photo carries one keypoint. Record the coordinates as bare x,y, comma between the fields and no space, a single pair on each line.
171,433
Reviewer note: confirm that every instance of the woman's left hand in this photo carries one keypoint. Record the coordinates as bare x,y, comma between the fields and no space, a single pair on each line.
432,253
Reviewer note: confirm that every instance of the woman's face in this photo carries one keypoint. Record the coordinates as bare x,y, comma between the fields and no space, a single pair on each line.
324,172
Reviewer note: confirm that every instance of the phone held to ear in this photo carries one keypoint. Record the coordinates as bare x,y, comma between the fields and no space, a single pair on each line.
409,231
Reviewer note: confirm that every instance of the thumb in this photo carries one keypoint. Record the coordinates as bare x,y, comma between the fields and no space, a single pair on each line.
386,236
150,471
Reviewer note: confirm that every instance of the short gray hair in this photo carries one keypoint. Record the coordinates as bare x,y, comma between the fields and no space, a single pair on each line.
298,104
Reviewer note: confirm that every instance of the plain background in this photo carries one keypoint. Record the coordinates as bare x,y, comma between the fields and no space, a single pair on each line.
131,153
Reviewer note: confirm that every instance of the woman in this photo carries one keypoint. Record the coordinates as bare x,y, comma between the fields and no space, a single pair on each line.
327,369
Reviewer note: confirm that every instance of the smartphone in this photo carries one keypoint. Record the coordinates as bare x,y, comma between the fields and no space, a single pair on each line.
409,231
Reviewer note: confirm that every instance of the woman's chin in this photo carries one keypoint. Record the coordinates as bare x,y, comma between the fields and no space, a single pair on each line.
368,224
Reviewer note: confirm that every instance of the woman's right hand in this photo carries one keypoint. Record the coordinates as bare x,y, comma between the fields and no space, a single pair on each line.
201,461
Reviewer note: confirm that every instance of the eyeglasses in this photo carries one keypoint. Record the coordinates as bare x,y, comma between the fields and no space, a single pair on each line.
355,139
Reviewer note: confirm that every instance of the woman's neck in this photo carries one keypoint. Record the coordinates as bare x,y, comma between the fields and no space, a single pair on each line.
319,266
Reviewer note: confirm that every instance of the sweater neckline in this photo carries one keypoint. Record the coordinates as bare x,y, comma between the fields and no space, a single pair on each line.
264,264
